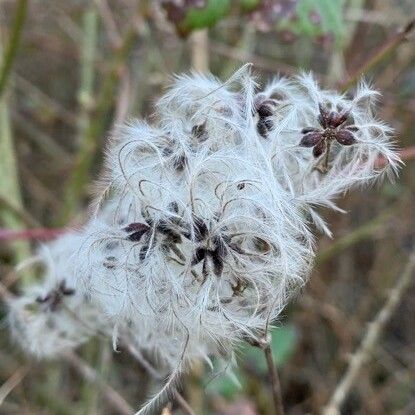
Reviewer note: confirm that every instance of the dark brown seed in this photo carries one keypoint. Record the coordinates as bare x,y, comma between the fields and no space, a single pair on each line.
167,151
324,116
137,231
68,291
200,228
269,124
331,119
340,118
198,256
319,148
309,130
345,137
173,207
44,299
136,227
311,139
266,109
199,132
180,162
262,128
217,264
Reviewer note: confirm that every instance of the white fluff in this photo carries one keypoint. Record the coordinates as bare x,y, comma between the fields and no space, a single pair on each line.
203,230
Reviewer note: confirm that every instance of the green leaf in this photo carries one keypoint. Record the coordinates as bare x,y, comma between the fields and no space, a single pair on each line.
199,18
249,5
284,340
283,343
226,386
329,13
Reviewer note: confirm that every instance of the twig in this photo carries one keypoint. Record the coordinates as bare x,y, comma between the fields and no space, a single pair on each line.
11,50
87,152
379,54
110,395
275,380
109,22
46,143
370,339
183,403
43,100
265,345
25,234
88,55
123,99
144,363
12,382
361,233
199,41
10,192
19,212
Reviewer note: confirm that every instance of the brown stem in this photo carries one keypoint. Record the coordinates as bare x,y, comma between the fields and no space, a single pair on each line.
379,54
265,344
112,397
184,405
371,338
275,380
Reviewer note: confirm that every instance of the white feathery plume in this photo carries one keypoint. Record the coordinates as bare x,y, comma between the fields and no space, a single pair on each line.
53,315
203,231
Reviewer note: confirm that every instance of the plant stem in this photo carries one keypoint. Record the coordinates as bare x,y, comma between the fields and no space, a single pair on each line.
200,50
378,55
184,405
264,344
11,50
370,339
274,378
363,232
112,397
27,234
98,123
10,194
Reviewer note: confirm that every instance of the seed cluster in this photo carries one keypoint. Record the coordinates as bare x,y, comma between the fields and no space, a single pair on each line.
202,229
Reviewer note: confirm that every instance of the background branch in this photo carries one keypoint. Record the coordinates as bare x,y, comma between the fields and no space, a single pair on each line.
370,339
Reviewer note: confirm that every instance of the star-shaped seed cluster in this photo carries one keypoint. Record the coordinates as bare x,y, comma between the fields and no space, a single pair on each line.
333,127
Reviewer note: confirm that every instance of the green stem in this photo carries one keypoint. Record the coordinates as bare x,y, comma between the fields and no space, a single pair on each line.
11,50
361,233
96,128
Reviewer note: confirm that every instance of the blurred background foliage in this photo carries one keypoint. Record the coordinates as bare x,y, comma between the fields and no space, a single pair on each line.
73,70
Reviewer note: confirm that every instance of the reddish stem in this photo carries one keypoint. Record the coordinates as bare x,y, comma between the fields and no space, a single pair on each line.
41,234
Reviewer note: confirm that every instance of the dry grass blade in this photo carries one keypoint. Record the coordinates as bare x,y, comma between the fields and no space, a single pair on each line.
113,398
12,382
379,54
9,183
96,127
370,339
11,50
